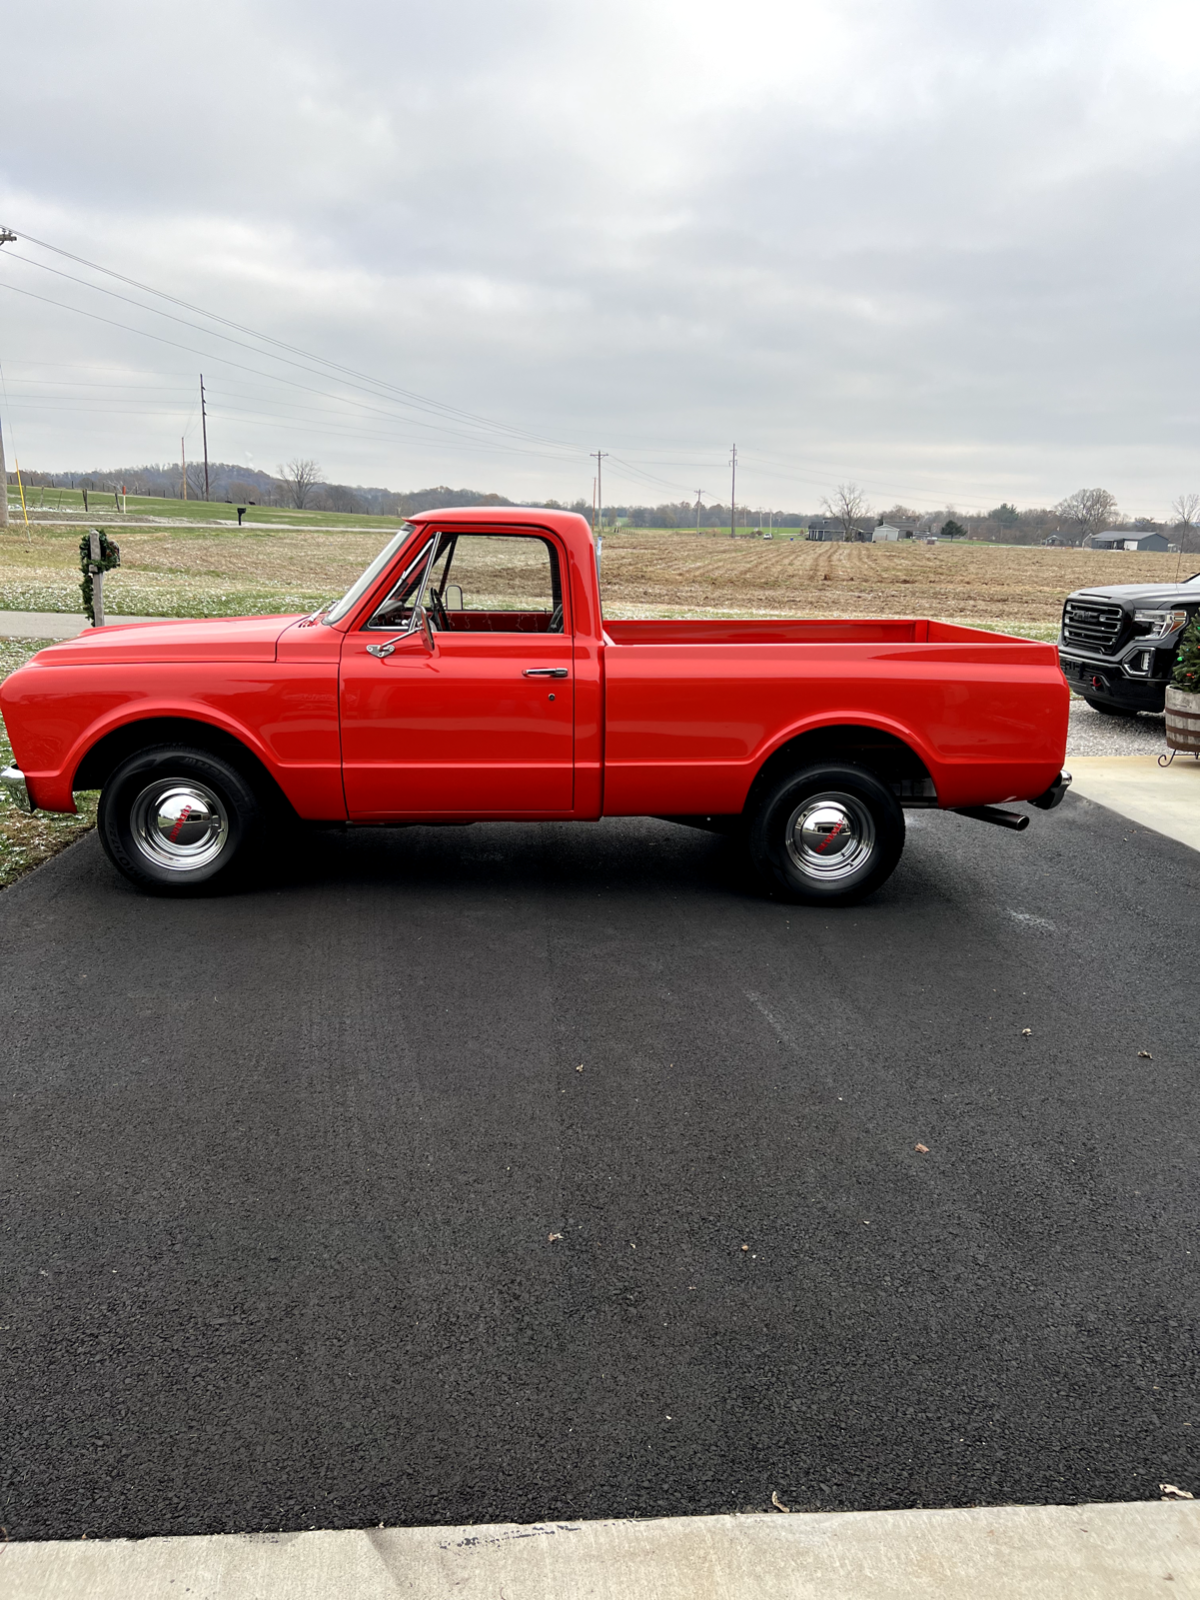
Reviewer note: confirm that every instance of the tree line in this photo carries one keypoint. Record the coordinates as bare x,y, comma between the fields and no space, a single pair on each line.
301,484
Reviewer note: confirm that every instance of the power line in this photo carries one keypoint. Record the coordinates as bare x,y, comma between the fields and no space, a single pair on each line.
408,396
240,366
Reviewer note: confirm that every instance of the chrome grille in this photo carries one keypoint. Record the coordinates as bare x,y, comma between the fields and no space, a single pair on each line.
1092,622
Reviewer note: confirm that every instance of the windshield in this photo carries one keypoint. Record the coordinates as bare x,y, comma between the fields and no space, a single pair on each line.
356,591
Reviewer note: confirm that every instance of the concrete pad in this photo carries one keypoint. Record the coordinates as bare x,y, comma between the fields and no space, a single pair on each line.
1097,1552
1166,799
54,624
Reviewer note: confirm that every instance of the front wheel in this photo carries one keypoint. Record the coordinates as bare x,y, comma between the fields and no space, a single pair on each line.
175,820
828,835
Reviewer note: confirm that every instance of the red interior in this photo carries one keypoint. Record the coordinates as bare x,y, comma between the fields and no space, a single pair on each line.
498,621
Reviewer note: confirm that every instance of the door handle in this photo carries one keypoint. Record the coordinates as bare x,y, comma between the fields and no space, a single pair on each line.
545,672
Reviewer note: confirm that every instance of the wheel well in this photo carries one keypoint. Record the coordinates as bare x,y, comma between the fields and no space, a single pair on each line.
891,760
106,754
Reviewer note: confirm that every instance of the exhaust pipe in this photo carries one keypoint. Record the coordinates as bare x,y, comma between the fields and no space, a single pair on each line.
1018,821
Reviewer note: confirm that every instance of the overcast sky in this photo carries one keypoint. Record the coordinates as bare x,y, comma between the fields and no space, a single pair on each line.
945,248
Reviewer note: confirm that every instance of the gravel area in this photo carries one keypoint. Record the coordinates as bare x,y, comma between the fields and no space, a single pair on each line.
1091,733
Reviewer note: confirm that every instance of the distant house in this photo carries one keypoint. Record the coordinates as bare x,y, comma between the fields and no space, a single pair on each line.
885,532
1126,539
829,528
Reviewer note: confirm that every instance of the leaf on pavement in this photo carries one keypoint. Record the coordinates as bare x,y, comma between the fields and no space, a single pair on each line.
921,1149
777,1502
1170,1491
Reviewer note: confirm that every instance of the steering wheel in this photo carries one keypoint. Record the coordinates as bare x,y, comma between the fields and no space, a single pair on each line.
555,620
440,619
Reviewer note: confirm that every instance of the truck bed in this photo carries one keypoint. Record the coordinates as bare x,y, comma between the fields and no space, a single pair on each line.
689,722
815,630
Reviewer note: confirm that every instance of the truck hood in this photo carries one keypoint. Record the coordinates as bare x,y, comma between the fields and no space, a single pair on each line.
213,639
1142,594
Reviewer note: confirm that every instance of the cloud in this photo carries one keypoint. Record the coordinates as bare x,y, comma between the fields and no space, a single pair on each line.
943,248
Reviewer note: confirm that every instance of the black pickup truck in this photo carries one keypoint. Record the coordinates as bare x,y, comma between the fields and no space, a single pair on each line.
1117,645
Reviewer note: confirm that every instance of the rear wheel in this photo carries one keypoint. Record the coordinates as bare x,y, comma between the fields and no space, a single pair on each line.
828,835
175,820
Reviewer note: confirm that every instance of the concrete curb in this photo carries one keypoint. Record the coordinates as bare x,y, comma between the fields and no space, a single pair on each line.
1164,799
1095,1552
54,624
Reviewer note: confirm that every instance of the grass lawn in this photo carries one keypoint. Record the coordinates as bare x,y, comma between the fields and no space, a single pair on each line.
43,504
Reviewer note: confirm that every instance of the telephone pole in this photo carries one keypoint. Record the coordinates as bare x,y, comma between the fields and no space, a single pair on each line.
7,236
204,431
599,458
733,492
182,469
699,492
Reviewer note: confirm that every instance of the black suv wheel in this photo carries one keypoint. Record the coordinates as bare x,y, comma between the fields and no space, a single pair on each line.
828,835
175,820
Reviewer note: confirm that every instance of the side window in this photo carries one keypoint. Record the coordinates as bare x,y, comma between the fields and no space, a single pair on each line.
479,583
496,583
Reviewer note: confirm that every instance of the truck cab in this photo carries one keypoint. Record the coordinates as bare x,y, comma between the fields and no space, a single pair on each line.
1117,645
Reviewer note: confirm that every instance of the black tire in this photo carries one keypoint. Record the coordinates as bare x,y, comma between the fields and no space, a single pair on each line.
177,821
1107,709
826,803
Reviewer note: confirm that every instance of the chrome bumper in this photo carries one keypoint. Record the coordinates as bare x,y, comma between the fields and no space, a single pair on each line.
13,780
1055,794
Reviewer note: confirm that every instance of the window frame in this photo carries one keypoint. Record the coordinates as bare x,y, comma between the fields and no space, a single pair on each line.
431,551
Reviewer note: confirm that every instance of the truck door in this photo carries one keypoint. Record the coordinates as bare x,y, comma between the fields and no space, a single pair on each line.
457,695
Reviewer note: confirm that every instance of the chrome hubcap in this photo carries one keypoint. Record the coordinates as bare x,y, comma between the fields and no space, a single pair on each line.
830,836
179,824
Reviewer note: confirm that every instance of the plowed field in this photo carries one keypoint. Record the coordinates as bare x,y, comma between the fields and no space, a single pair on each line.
1011,586
182,571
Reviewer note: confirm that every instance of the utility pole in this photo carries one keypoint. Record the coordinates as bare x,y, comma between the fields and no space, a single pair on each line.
699,492
599,455
182,469
7,236
204,431
733,492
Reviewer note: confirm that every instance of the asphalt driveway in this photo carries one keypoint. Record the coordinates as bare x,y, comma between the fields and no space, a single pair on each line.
309,1217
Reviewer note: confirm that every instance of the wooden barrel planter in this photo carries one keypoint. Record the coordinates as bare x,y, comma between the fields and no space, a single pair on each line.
1183,720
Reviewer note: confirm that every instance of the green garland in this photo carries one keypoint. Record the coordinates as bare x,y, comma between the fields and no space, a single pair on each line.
1186,674
110,557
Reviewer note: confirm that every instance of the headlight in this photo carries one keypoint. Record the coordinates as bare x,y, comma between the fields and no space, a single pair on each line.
1158,624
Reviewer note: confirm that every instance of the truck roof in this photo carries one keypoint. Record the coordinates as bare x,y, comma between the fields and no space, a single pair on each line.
565,522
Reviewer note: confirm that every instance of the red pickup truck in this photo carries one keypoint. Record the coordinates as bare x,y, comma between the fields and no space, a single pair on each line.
469,675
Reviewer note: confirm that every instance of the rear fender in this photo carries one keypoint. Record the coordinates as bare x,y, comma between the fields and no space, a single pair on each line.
895,753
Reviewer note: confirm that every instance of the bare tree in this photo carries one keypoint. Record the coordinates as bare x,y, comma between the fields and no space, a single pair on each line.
1092,510
849,507
340,498
1184,508
299,480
